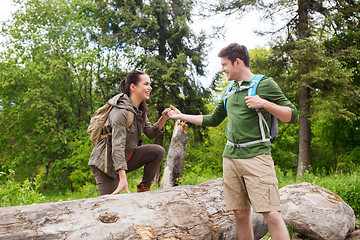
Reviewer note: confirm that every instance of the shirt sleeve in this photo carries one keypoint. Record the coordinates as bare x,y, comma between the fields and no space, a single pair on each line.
118,120
217,116
269,90
151,131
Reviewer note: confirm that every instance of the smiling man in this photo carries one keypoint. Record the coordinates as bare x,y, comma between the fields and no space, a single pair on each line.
248,168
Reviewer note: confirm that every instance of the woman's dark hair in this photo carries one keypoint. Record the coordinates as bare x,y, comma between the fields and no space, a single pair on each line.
234,51
133,77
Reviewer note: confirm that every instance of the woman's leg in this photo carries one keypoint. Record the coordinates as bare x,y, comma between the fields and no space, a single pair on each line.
104,183
151,156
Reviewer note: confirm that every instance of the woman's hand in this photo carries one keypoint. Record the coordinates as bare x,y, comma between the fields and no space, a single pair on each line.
164,117
123,184
165,114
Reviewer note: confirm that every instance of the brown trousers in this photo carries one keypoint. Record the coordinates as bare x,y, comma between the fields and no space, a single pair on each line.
150,156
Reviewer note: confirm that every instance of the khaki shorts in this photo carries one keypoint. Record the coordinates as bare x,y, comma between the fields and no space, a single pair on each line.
251,182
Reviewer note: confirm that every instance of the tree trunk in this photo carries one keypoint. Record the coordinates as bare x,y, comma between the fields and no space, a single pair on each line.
185,212
304,161
176,155
304,158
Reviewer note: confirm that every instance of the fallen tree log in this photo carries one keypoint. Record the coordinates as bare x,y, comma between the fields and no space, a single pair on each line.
175,159
184,212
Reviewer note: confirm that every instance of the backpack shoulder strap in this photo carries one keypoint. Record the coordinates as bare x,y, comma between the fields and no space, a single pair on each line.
130,119
254,82
228,89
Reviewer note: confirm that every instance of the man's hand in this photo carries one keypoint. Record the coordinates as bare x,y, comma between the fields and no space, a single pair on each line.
255,101
174,113
283,113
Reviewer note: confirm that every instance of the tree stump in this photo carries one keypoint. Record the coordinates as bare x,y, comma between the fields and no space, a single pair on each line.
176,155
183,212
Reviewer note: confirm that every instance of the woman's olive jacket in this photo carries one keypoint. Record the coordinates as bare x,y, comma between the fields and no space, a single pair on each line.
123,141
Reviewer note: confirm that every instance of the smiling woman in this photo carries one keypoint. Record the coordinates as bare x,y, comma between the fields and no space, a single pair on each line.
120,147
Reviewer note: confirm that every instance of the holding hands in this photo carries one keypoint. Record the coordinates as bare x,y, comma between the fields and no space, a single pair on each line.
174,113
164,117
165,114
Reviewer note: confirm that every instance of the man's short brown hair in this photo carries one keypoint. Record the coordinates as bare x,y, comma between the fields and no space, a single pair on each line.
234,51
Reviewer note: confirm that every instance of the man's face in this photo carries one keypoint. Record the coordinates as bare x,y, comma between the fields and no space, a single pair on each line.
229,68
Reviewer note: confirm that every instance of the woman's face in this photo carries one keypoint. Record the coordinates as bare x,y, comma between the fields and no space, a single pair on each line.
143,88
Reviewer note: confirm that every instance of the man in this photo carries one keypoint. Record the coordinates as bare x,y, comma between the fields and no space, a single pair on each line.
248,169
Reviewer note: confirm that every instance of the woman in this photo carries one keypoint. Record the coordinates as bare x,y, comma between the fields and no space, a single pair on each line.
121,147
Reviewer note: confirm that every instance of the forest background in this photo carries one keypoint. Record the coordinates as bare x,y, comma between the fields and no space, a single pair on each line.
62,59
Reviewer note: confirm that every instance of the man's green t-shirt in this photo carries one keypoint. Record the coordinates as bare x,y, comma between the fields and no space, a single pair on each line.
243,122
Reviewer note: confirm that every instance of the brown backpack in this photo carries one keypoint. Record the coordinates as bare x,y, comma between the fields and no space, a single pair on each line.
98,120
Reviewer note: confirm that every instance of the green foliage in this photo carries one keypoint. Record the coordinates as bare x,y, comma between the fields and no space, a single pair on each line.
88,190
44,83
63,59
71,173
13,193
349,162
198,174
284,149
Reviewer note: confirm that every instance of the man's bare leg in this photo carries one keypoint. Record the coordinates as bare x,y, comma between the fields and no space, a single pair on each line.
244,230
277,226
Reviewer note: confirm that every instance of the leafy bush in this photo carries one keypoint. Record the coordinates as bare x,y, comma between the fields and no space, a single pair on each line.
13,193
350,161
197,175
71,173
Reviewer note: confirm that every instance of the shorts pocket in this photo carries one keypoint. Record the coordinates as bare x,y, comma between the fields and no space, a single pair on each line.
274,195
268,179
272,188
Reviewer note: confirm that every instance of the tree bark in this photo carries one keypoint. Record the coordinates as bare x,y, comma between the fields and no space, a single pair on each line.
304,161
304,158
176,155
184,212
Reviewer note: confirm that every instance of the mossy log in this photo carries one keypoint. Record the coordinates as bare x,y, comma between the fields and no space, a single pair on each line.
184,212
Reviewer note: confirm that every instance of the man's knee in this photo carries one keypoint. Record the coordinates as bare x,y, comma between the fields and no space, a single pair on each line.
273,217
242,215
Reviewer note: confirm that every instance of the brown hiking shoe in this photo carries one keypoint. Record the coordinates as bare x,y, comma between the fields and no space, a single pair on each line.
142,188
